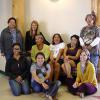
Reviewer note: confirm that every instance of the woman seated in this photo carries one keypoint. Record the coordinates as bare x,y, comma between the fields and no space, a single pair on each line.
71,56
40,47
40,74
17,68
86,82
56,58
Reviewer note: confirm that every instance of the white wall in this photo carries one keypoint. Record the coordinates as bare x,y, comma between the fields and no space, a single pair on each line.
63,16
5,12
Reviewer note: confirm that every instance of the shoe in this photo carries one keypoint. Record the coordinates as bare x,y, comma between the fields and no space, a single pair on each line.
55,98
81,95
49,97
42,95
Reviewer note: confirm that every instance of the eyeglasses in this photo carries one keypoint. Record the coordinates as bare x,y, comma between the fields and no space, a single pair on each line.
16,48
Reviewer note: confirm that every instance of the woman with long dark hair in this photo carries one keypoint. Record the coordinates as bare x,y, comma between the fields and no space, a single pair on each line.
71,56
56,56
40,71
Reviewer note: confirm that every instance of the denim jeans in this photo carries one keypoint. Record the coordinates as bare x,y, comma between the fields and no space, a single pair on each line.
94,59
7,56
36,86
53,87
18,88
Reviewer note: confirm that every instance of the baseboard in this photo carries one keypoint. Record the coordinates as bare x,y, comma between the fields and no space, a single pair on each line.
2,72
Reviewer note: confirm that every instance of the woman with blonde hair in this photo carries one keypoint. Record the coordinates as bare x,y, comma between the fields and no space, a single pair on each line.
86,82
30,36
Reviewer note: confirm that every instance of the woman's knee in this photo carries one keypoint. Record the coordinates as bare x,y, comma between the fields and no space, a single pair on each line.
57,67
26,91
58,83
15,88
25,88
37,89
16,93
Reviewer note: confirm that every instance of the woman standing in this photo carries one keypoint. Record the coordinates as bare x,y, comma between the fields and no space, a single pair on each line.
10,35
90,38
30,36
17,68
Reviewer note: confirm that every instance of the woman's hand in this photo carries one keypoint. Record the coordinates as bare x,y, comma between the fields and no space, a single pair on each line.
45,85
75,85
2,54
52,60
19,79
89,47
66,59
79,84
84,47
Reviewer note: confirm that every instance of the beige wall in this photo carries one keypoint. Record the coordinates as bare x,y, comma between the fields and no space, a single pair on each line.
63,16
18,13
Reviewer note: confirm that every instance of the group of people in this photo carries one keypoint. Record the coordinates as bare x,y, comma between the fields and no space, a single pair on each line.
78,60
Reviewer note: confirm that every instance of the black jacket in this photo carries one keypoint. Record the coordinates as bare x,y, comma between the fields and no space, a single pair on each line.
29,41
14,68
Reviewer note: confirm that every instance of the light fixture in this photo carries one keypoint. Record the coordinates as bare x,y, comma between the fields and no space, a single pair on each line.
54,0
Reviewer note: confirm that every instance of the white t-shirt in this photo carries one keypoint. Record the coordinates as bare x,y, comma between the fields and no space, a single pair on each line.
55,48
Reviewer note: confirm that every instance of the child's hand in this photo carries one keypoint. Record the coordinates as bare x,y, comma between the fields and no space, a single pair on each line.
45,85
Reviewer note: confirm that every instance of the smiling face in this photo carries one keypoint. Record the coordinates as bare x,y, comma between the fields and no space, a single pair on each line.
90,20
56,39
34,26
12,24
74,42
40,60
16,50
39,39
83,57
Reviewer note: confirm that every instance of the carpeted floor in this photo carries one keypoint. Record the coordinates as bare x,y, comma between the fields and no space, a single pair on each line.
63,94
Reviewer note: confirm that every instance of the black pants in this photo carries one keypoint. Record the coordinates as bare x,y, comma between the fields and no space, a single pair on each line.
53,88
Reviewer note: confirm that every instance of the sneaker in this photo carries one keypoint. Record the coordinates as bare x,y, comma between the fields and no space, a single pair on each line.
55,98
81,95
49,98
42,95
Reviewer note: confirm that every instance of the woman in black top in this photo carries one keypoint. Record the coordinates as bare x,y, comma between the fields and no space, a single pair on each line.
30,36
17,68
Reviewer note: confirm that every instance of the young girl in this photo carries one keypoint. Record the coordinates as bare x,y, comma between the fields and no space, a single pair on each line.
40,75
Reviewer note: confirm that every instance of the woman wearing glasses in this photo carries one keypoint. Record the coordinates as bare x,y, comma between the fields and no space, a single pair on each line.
17,68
